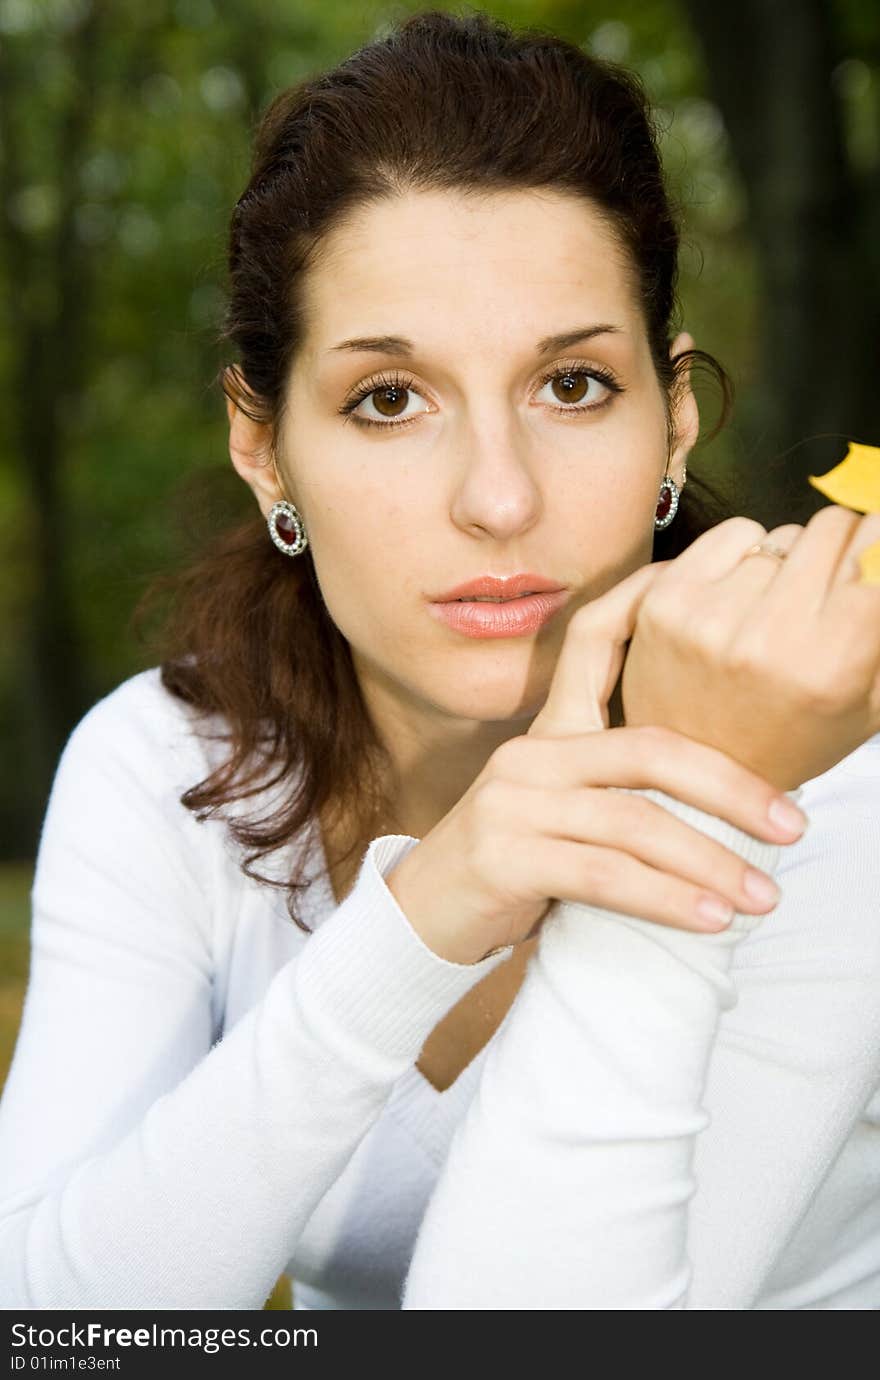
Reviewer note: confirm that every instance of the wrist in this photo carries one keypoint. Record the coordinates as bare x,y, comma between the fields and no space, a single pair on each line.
433,913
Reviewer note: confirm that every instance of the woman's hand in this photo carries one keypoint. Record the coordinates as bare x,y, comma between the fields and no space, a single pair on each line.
539,823
775,662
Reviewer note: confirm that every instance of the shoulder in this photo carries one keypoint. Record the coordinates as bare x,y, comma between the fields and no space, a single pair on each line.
141,726
117,847
123,769
128,762
137,718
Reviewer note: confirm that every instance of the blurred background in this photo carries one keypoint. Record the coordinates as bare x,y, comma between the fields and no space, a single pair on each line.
124,143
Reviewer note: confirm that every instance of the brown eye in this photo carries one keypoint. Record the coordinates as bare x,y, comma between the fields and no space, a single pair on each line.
570,387
578,390
384,402
387,401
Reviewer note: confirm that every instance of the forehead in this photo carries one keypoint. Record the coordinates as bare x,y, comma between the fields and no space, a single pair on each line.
487,263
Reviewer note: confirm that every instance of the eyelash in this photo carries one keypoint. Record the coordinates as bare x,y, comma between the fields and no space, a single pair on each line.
405,383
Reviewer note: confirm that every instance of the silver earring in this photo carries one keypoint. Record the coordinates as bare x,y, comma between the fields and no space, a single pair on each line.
286,528
667,503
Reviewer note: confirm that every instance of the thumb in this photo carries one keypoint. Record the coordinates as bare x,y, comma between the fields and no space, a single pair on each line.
592,658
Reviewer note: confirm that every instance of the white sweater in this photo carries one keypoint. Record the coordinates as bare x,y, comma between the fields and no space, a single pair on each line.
203,1096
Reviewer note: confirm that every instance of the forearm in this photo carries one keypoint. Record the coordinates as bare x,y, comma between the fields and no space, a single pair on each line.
568,1182
200,1203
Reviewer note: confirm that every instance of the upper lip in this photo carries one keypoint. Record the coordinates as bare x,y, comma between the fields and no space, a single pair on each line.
499,587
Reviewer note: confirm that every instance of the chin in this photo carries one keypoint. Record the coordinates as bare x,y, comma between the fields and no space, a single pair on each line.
492,701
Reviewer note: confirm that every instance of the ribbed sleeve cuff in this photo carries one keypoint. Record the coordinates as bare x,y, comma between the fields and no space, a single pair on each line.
367,983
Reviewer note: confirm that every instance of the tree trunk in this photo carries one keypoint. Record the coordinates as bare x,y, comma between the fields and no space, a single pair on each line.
49,287
770,70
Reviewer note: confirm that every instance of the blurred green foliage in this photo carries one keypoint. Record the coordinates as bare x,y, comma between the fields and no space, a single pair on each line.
124,144
15,894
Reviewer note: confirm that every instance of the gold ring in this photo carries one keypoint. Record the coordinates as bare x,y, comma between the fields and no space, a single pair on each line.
766,549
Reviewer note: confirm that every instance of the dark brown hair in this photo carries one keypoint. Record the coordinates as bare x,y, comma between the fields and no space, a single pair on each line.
442,101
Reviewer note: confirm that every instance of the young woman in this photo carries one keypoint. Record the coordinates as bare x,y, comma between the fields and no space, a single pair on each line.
499,1060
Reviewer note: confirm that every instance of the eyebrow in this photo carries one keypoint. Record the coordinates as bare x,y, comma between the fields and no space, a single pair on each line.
399,345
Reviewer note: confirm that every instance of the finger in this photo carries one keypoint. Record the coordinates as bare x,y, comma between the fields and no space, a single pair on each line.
715,552
647,831
811,565
616,881
755,572
592,657
763,570
651,756
864,534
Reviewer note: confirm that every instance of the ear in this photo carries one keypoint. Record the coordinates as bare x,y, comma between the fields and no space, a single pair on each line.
250,449
686,416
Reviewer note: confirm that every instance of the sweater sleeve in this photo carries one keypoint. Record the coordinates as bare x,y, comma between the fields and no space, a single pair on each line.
796,1063
583,1176
143,1164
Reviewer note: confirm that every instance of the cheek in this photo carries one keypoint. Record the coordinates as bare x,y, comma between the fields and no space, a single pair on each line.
628,440
610,490
367,552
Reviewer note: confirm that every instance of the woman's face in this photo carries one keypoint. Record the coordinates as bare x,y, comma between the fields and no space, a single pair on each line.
492,467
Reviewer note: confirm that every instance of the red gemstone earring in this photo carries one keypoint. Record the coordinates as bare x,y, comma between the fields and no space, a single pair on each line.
667,503
286,528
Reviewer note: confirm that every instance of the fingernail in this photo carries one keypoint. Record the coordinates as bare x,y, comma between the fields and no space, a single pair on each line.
714,911
760,888
787,816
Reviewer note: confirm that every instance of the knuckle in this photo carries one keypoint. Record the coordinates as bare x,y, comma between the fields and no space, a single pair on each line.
665,598
709,630
749,656
826,697
639,815
657,609
508,756
787,529
602,876
831,515
749,529
653,740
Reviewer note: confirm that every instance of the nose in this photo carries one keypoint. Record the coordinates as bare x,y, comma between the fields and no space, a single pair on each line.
495,489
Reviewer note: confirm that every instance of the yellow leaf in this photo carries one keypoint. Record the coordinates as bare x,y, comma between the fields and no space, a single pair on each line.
855,482
869,564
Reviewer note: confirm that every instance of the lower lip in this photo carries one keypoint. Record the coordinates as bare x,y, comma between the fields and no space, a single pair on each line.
513,618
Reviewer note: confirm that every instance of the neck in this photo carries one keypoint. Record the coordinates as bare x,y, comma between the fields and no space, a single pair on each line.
431,776
433,781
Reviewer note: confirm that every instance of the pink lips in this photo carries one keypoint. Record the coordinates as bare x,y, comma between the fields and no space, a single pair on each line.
513,618
500,587
530,601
